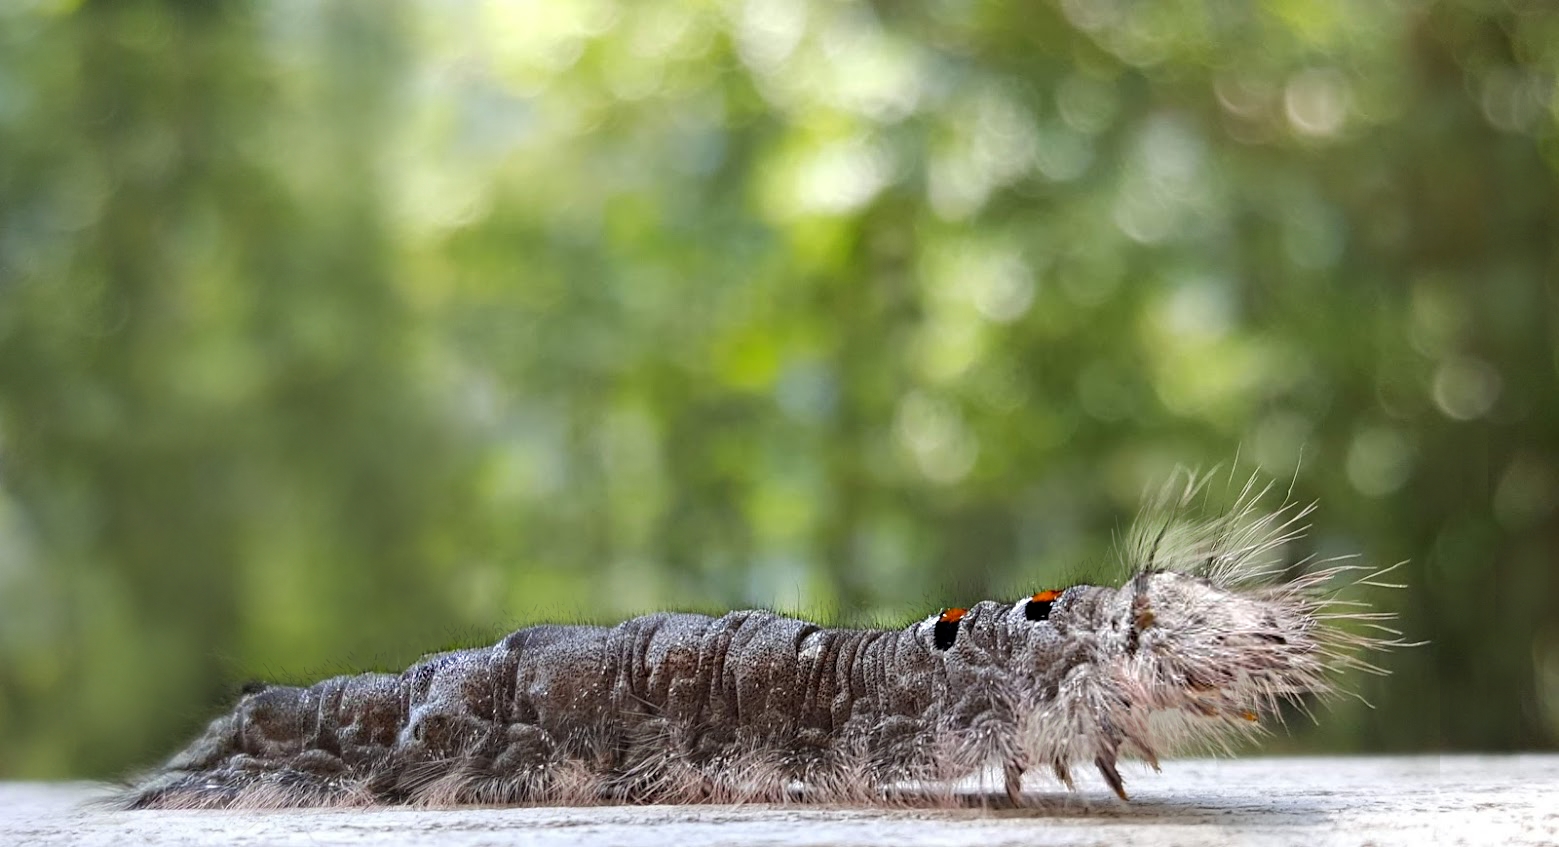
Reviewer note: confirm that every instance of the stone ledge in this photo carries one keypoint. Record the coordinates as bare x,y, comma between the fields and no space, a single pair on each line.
1275,801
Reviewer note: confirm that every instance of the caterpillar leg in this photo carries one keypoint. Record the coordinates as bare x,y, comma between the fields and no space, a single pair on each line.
1013,772
1111,775
1064,774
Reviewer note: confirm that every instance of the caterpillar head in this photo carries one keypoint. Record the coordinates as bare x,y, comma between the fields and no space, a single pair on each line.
1191,645
1202,641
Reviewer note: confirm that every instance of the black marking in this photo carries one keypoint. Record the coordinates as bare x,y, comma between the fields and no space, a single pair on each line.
944,634
1038,610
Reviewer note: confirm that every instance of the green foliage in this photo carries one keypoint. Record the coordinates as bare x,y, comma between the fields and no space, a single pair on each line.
334,332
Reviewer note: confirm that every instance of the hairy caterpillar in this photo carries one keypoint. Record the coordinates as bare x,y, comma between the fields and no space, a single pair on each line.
1199,642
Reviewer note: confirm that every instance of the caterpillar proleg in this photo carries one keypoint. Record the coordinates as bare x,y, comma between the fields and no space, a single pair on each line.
1198,644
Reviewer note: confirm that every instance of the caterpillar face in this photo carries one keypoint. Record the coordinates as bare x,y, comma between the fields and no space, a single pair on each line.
1169,660
1093,673
1191,651
1216,652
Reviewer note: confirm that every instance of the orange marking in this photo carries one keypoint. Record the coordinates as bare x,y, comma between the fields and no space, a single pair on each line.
1250,716
1049,595
953,615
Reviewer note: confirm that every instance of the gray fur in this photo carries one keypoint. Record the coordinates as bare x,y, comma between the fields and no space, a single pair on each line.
753,706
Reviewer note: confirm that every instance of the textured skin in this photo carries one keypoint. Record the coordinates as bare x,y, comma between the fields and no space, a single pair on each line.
753,706
790,699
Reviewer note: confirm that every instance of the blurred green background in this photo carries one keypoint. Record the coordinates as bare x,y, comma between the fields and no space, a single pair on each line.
332,333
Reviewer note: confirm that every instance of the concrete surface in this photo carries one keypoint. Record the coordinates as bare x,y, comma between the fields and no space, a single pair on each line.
1357,801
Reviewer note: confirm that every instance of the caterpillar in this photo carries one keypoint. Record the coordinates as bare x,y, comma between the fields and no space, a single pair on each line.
1199,642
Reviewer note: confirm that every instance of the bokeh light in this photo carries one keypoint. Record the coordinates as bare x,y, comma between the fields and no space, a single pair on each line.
334,332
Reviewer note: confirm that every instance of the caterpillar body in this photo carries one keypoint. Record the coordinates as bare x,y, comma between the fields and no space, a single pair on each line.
1195,647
